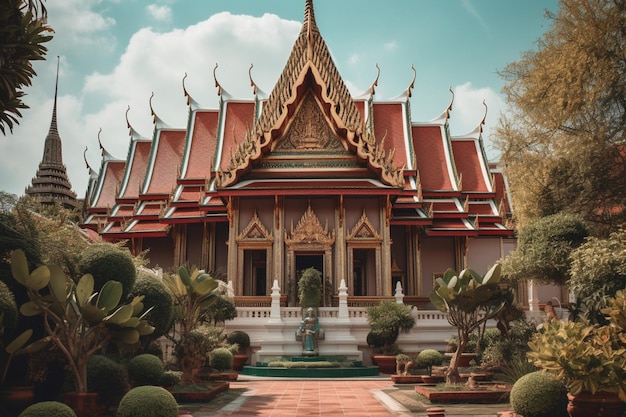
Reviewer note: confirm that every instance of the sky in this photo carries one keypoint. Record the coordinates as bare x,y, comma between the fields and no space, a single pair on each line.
114,54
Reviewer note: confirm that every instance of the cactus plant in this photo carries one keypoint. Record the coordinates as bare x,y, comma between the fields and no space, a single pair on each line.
77,320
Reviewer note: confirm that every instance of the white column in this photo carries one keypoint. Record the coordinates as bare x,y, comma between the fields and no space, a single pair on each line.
399,294
343,314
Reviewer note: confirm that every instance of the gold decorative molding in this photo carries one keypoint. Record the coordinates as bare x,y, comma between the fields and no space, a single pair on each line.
255,231
364,230
309,230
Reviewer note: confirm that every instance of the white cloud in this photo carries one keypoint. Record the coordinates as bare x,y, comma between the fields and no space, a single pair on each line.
161,13
391,46
76,24
354,59
152,62
468,111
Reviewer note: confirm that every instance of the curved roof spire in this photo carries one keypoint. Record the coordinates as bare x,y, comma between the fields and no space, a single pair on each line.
309,26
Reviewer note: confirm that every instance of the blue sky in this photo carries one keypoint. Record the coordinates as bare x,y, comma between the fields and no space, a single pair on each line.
116,53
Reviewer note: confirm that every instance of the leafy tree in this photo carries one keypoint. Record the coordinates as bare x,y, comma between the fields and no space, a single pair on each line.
469,300
23,31
544,248
563,143
598,271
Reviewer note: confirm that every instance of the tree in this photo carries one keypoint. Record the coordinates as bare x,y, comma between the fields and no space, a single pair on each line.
562,145
469,300
544,248
23,31
598,271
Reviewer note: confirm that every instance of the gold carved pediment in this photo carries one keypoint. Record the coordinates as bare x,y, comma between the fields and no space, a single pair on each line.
255,231
309,230
364,230
309,131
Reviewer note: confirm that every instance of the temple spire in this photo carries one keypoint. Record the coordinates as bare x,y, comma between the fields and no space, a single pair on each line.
51,183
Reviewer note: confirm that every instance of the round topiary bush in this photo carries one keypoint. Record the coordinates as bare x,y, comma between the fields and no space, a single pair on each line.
375,340
428,358
145,369
157,296
8,313
221,359
107,262
107,377
48,409
538,394
148,401
241,338
170,378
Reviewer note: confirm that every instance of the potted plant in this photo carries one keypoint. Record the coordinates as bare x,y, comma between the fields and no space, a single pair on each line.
387,320
194,291
470,300
77,320
589,359
242,340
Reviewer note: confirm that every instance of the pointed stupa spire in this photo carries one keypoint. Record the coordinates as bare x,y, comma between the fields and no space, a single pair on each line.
51,183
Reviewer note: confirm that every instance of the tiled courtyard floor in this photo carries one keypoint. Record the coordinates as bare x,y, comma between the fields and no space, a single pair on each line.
329,398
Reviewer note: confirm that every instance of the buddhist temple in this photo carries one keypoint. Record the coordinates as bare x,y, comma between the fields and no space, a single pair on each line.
308,176
51,184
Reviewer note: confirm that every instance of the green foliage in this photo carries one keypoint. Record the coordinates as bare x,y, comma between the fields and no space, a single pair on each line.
544,248
500,351
8,314
562,144
221,359
158,296
598,270
79,321
148,401
145,369
388,319
48,409
470,300
585,357
222,310
516,368
428,358
108,262
309,365
22,38
539,395
241,338
375,340
170,378
310,288
108,378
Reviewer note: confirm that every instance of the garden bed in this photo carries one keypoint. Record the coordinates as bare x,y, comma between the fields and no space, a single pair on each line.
198,393
486,393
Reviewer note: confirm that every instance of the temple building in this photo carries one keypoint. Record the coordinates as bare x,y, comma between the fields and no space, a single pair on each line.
309,176
51,184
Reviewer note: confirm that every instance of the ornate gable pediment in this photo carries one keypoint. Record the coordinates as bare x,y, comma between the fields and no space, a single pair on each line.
255,231
364,230
309,230
309,131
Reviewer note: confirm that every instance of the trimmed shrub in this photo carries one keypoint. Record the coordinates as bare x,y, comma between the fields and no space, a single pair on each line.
221,359
107,377
107,262
145,369
170,378
538,394
148,401
222,309
241,338
375,340
48,409
428,358
157,296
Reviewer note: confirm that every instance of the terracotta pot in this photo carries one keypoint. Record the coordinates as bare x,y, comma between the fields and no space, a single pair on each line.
600,404
386,363
239,360
84,404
